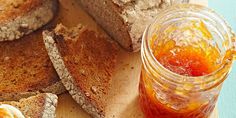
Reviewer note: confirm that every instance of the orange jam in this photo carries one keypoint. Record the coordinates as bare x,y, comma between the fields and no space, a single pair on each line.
189,60
185,61
152,108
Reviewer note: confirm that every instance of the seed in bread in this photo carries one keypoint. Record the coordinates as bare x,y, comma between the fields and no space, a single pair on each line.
21,17
26,69
84,60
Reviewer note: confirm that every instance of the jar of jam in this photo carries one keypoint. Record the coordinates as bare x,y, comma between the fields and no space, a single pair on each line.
187,53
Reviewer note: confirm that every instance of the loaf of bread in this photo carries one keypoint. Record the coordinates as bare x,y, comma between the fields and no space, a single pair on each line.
38,106
126,20
20,17
84,60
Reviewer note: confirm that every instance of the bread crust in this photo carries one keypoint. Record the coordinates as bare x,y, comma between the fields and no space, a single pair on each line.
37,106
78,86
126,20
21,17
56,88
49,110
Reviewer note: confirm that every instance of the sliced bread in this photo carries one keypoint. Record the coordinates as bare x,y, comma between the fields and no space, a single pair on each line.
125,20
20,17
26,69
84,60
38,106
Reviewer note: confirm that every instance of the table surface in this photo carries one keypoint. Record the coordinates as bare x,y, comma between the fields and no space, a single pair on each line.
227,99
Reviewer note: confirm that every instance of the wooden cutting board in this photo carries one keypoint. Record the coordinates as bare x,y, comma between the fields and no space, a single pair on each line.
123,101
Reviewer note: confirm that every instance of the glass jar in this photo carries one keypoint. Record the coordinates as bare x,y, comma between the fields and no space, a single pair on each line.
187,53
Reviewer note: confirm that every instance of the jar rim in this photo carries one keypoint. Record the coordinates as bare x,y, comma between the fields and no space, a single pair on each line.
158,65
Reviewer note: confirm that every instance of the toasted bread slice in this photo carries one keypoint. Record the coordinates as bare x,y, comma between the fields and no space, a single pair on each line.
84,60
39,106
20,17
26,69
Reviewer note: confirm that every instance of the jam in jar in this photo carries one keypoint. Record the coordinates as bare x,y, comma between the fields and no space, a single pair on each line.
187,53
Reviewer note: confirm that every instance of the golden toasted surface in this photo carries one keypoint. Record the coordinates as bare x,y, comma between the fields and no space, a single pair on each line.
10,9
25,65
90,59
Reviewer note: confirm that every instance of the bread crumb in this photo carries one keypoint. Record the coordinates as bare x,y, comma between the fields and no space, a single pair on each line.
82,71
6,58
94,89
87,94
24,25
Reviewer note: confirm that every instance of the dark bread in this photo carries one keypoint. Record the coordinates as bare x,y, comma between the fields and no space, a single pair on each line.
21,17
26,69
126,20
84,60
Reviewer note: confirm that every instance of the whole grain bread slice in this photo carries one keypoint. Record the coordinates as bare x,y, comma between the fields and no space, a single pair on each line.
84,60
38,106
20,17
126,20
26,69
